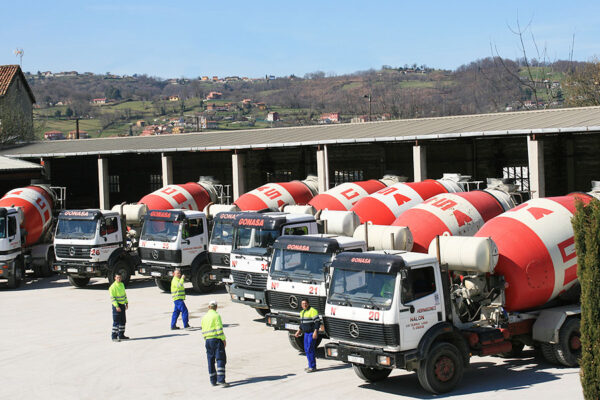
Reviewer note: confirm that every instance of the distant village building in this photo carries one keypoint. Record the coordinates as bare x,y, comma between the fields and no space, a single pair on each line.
214,96
261,105
16,105
173,98
82,135
329,118
101,100
205,78
53,135
247,101
215,78
273,116
206,124
140,123
359,119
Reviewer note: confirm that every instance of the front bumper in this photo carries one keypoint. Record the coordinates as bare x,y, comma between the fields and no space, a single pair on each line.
220,275
81,269
7,269
367,357
162,271
251,297
290,323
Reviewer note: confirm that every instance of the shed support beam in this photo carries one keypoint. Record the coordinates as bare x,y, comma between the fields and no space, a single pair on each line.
239,175
323,169
419,163
535,155
46,164
103,189
167,169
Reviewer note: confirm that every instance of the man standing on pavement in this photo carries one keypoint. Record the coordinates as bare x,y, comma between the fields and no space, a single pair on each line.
119,305
309,326
178,294
212,330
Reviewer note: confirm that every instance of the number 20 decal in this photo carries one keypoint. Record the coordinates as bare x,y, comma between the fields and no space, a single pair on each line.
373,315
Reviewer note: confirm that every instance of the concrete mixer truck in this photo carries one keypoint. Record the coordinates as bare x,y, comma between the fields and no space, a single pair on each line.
512,284
27,219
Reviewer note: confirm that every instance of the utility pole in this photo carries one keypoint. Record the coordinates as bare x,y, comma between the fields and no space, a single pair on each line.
77,128
368,96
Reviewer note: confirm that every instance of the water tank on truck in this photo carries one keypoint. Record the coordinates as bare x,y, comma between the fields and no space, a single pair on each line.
276,195
385,205
344,196
455,214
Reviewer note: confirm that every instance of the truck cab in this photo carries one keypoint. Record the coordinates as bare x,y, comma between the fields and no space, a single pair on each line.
253,239
93,243
175,239
221,240
300,270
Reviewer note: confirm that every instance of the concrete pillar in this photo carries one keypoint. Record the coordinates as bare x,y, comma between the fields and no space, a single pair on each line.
323,168
103,183
46,163
419,163
167,169
239,175
535,155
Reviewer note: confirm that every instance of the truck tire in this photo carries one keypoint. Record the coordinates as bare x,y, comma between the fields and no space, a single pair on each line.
442,369
163,285
47,269
121,267
371,374
15,280
78,282
296,342
549,352
201,280
568,348
262,312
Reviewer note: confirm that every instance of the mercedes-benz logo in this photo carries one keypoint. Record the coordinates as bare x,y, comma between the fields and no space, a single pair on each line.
293,302
353,329
72,251
248,279
226,259
155,254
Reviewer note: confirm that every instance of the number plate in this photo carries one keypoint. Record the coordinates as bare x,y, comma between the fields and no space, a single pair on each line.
249,296
72,270
292,326
357,360
154,273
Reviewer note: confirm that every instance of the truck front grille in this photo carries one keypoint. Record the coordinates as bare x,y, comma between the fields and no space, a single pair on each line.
282,301
72,251
160,255
364,332
250,280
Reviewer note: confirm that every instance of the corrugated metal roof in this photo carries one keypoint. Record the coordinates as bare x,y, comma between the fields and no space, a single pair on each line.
12,164
585,119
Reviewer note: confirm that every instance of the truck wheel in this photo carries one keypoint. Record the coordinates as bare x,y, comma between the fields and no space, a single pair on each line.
78,282
47,269
441,371
549,353
296,342
201,280
371,374
15,281
122,268
568,348
163,285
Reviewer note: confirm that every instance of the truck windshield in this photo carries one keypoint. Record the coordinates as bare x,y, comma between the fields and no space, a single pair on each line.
76,229
2,228
160,230
362,288
222,233
246,238
299,264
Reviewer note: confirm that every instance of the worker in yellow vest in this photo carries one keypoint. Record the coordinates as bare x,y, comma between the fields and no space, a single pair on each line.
309,327
212,330
119,305
178,294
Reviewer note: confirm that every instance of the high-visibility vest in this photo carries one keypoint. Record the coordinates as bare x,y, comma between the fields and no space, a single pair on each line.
177,289
117,293
309,320
212,326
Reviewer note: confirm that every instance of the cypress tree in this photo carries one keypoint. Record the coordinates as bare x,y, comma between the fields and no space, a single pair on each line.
586,225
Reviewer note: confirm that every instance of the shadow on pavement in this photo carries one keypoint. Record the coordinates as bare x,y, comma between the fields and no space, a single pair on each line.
481,377
158,337
340,366
257,379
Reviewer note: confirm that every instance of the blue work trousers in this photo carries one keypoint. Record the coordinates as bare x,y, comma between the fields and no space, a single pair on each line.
310,349
215,350
180,308
119,320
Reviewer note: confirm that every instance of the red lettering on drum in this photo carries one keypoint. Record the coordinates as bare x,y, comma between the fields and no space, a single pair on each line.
462,218
386,191
444,204
567,246
349,193
179,198
401,199
570,274
271,193
539,213
169,191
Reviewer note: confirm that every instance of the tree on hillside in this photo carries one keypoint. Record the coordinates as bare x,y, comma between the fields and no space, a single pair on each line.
586,225
583,85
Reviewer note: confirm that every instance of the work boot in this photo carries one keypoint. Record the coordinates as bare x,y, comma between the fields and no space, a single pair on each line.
116,340
174,328
223,384
309,370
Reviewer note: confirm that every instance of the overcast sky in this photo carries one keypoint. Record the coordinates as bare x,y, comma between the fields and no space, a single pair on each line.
254,38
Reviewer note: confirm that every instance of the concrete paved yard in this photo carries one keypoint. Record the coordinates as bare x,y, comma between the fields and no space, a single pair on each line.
56,345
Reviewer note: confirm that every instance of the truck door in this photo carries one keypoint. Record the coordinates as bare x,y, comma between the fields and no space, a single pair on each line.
109,229
14,239
193,239
420,306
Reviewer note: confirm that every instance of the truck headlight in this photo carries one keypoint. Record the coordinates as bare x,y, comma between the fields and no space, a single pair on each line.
332,352
384,360
89,269
272,320
170,273
234,297
143,270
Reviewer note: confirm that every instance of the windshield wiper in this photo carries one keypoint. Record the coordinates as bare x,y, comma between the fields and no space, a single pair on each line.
370,300
345,297
281,275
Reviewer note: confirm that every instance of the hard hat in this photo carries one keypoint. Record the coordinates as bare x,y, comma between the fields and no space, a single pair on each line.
212,303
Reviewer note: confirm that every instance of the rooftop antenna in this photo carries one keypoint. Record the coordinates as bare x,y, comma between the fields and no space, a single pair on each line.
19,53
